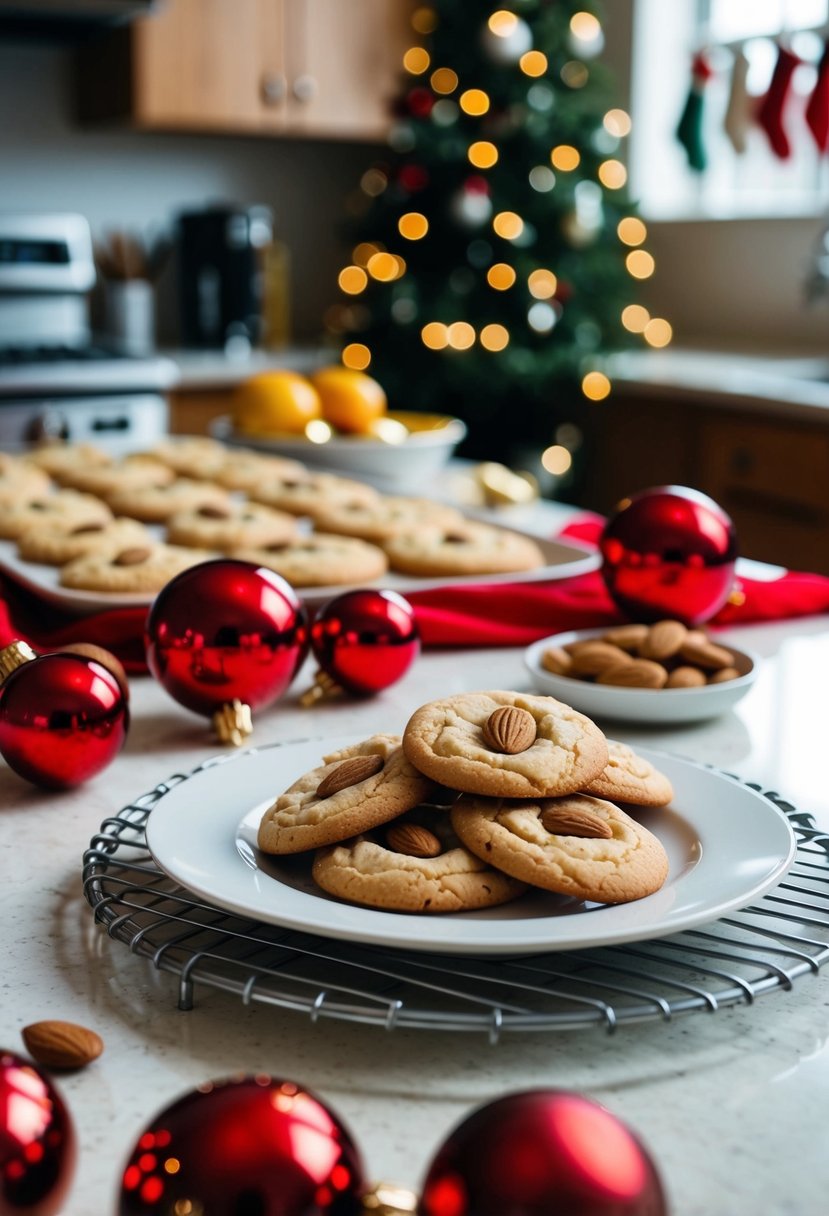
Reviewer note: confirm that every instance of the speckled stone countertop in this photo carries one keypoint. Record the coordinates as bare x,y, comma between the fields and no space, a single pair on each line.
733,1104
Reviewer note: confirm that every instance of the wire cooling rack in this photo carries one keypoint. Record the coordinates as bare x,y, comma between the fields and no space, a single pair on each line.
762,949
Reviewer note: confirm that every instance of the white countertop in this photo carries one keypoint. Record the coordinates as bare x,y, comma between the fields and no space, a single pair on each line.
731,1104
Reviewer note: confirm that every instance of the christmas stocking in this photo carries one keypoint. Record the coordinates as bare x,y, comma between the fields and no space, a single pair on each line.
738,112
689,131
817,108
770,114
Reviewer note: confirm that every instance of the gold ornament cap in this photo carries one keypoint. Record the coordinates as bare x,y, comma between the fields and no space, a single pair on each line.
324,688
388,1199
233,723
13,656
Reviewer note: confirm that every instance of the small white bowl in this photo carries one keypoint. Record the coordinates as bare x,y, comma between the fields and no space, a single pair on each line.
410,464
646,705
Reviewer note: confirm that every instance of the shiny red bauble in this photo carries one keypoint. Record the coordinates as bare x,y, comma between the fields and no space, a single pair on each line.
37,1141
669,552
226,630
542,1153
63,718
246,1145
365,640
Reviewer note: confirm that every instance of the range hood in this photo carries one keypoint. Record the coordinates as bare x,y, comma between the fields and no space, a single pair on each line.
62,18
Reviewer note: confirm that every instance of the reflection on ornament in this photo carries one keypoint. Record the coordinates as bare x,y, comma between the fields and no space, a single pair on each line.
38,1148
669,552
507,40
542,178
445,112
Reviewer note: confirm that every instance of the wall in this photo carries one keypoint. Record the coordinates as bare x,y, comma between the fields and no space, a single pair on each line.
121,179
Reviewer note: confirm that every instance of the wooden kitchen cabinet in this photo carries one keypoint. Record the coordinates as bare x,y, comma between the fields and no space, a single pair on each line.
770,474
320,68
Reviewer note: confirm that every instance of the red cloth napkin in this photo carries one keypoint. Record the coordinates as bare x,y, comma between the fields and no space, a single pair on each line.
506,614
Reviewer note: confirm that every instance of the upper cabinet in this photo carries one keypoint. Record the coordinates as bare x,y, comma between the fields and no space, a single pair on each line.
321,68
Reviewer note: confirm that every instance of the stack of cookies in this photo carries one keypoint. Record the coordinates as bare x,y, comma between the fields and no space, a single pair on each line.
130,525
485,795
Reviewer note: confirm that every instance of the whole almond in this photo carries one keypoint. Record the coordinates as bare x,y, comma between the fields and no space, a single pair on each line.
663,641
593,658
413,840
570,820
686,677
635,673
132,557
212,510
703,653
626,637
556,661
724,675
62,1044
510,730
349,772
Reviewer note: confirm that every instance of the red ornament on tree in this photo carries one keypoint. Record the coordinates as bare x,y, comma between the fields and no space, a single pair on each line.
364,641
252,1144
542,1153
63,717
225,638
37,1141
669,552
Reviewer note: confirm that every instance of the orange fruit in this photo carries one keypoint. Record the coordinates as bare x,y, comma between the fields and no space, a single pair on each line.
275,402
351,401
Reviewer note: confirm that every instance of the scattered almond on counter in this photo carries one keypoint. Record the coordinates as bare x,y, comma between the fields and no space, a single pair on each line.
62,1044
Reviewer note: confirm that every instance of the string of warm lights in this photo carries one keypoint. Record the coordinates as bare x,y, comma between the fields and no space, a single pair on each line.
503,261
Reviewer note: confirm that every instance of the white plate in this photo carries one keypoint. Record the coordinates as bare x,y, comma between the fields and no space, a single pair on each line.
562,559
652,705
727,845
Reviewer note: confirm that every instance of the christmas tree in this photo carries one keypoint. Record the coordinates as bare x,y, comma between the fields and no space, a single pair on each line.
494,248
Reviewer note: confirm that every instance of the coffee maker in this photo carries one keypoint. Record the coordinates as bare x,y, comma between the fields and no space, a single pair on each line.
221,275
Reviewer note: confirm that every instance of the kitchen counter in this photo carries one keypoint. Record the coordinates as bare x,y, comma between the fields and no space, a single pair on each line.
211,370
731,1104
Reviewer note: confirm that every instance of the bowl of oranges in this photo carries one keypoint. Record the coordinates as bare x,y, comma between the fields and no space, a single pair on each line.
338,419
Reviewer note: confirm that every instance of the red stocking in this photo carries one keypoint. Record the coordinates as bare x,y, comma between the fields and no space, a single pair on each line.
770,113
817,108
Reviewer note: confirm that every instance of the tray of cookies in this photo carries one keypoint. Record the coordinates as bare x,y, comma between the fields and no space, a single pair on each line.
495,823
649,673
88,532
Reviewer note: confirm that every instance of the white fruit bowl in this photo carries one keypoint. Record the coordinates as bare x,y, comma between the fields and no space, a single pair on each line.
423,443
646,705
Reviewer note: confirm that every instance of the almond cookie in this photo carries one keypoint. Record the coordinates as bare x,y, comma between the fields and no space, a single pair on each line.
579,846
304,493
55,458
505,744
630,778
416,865
319,560
47,509
135,569
131,473
195,456
385,518
353,790
66,539
464,548
242,470
154,504
231,525
21,482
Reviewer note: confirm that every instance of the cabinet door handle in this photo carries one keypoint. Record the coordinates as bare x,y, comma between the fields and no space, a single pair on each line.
305,88
274,88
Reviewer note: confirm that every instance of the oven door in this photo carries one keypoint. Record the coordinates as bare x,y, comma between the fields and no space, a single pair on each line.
119,422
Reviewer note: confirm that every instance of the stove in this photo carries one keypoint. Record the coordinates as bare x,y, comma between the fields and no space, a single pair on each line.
55,381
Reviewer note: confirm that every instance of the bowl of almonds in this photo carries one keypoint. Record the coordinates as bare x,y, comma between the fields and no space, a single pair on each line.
659,673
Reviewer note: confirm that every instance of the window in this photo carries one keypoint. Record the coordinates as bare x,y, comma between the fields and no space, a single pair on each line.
757,182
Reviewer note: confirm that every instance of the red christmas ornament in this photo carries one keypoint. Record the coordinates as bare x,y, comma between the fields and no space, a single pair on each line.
63,717
477,185
364,641
669,552
420,102
542,1153
413,178
37,1141
224,638
252,1144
